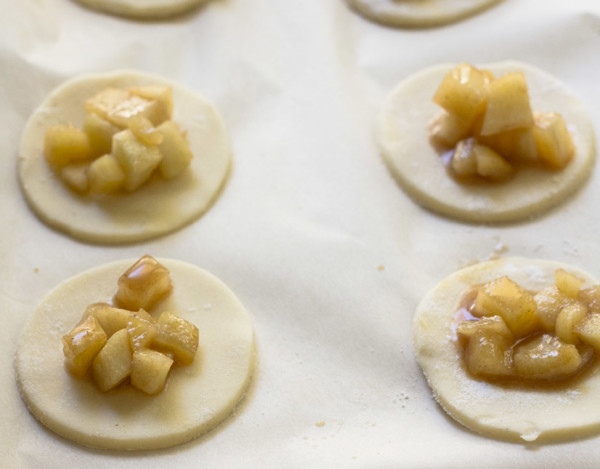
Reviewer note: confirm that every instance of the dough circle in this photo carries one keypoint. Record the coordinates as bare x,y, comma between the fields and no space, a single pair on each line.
496,411
196,398
143,9
158,207
404,141
419,13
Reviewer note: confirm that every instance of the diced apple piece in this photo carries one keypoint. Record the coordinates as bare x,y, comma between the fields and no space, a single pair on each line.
508,105
81,345
447,129
177,336
494,324
100,132
490,165
141,328
549,303
75,177
143,285
175,150
105,175
463,161
136,106
149,370
546,358
144,131
160,93
588,330
486,355
568,283
463,92
112,365
137,160
516,146
111,319
591,298
553,141
567,319
503,297
65,144
106,101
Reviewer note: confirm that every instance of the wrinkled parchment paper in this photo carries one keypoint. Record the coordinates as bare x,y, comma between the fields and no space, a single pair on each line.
311,232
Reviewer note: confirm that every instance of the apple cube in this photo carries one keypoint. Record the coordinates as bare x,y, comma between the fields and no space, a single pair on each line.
81,345
591,298
137,160
143,285
495,324
160,93
569,317
508,105
549,303
65,144
463,92
447,129
463,161
485,355
546,358
178,336
100,133
490,165
553,140
568,283
515,305
588,330
144,131
141,328
175,150
75,177
516,146
112,365
111,319
105,175
149,370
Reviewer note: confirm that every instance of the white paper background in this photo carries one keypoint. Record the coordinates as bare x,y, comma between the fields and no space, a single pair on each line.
308,215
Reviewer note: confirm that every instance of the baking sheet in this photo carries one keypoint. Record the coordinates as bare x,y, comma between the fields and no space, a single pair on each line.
312,233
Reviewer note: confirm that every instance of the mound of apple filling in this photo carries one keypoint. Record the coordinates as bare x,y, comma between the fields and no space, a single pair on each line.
488,130
508,334
123,341
127,137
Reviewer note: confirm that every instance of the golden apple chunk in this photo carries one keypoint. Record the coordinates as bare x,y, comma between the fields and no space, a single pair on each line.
174,149
141,328
137,160
81,345
100,133
112,365
143,285
486,354
105,175
65,144
546,358
111,319
149,370
553,140
178,336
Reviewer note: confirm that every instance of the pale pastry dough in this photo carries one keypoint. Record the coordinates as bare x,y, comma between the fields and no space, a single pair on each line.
155,209
196,398
404,140
143,9
418,13
496,411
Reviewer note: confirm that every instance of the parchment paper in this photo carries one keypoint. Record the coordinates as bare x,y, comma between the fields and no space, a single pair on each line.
311,232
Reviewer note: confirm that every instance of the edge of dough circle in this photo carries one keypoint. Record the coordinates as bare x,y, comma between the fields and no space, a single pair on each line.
419,13
197,397
158,207
403,138
492,410
143,9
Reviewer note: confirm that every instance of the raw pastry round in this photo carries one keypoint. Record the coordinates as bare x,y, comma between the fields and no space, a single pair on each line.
418,13
159,206
196,398
496,411
143,9
404,140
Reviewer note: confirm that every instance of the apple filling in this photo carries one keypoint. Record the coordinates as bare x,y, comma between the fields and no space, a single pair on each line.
514,335
127,137
489,130
120,342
